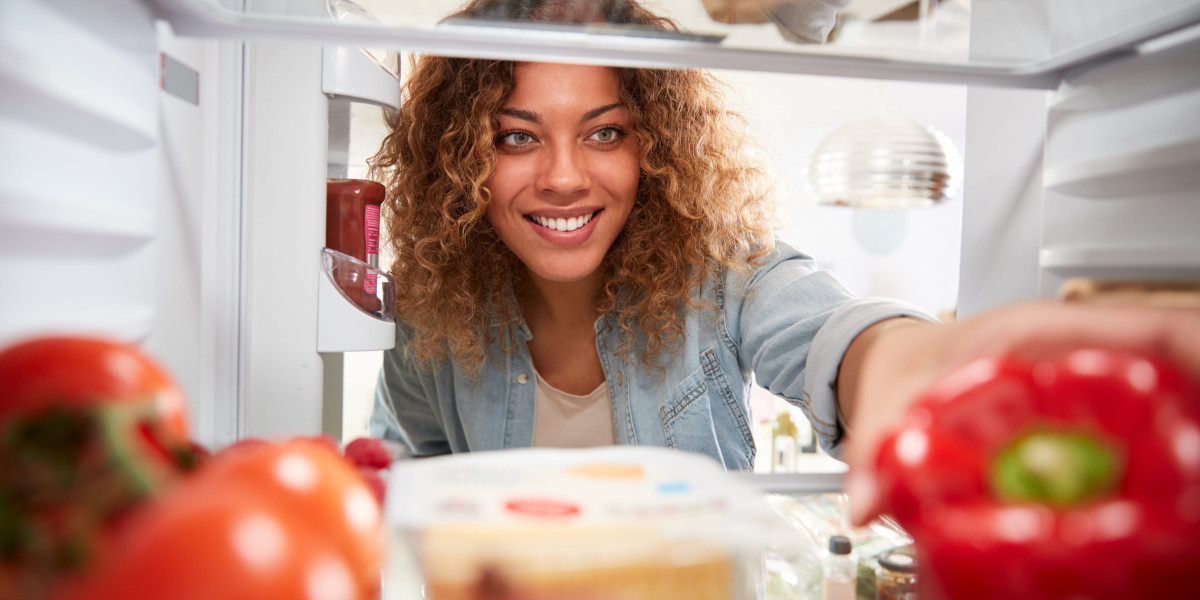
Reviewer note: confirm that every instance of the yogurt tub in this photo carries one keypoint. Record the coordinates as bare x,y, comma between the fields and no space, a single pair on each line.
620,523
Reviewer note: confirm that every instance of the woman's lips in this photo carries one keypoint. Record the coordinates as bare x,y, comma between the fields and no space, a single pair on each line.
574,236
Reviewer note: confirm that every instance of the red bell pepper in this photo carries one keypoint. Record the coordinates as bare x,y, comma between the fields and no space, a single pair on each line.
1071,476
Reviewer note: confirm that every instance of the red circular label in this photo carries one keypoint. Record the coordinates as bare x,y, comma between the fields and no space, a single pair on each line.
542,507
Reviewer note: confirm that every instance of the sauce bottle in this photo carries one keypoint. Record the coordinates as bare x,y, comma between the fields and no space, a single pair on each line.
352,228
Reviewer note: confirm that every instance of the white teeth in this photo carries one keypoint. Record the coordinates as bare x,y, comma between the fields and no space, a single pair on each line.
560,224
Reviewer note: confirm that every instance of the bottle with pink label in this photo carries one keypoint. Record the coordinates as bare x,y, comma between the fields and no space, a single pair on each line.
352,228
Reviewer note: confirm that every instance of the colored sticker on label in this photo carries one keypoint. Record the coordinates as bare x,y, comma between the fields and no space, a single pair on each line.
674,487
542,507
609,471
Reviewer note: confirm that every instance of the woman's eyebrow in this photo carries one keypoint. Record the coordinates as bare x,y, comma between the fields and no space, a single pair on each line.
533,117
524,115
595,112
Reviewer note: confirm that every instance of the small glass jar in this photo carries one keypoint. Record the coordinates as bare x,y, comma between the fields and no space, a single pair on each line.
896,576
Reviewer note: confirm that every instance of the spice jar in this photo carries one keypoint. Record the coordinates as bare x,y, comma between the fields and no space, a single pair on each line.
896,576
352,228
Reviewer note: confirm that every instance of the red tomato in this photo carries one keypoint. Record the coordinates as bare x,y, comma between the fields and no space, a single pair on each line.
289,520
80,371
210,539
92,429
308,475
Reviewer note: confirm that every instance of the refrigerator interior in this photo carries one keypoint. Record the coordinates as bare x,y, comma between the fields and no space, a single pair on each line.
165,186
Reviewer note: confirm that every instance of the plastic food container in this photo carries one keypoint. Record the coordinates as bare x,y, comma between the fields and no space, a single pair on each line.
633,523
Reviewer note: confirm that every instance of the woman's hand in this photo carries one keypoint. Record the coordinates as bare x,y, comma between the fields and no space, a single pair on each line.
902,360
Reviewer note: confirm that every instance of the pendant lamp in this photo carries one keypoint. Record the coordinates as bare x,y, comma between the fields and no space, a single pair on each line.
885,163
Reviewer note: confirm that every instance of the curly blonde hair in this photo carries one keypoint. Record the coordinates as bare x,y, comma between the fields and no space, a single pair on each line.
702,202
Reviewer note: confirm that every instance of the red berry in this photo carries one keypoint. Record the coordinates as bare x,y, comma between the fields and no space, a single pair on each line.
368,452
374,481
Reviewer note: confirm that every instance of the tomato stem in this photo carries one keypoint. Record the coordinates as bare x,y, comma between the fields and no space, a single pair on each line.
1059,468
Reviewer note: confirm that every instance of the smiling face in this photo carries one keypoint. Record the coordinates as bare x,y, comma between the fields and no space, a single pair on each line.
566,169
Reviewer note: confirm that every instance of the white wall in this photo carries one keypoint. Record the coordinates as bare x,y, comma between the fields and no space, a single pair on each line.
792,114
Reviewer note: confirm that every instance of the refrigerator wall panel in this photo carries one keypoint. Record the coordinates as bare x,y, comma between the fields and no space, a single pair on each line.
284,185
196,326
77,165
1002,198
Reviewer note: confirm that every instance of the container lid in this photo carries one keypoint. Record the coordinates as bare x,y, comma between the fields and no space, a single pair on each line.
898,561
371,192
541,505
839,544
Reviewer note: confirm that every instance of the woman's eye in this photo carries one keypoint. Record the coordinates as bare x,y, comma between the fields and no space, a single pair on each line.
516,138
608,134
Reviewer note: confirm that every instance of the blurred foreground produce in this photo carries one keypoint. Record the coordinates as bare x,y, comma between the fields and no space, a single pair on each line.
1069,476
288,520
89,428
371,457
104,496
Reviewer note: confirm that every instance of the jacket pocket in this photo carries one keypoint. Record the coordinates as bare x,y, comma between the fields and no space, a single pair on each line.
687,417
737,425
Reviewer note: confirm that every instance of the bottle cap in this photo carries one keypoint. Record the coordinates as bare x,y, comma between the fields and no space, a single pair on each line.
898,561
839,544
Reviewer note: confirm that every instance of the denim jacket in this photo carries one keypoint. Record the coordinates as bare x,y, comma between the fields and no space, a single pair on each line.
786,324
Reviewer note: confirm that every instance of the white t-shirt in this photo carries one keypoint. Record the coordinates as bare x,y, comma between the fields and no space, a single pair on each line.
563,420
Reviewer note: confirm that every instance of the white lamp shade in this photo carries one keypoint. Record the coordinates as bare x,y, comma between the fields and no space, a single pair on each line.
885,162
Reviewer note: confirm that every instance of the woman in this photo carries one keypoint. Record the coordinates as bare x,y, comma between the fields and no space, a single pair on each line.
584,257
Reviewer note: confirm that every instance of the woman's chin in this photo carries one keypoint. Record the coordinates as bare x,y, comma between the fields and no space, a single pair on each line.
564,274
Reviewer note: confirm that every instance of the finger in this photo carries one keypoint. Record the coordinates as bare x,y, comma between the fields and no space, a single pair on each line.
1050,327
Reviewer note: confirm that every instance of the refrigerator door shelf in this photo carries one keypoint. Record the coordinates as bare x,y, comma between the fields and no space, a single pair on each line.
1164,261
1162,169
350,74
355,305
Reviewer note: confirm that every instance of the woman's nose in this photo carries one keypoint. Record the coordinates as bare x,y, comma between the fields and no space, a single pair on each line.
564,170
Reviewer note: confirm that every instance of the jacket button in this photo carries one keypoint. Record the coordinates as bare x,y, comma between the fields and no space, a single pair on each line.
522,378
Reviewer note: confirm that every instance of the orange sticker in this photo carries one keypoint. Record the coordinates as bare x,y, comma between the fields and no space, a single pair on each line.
609,471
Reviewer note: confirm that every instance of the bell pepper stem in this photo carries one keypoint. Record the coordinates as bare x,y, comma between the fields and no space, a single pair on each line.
1058,468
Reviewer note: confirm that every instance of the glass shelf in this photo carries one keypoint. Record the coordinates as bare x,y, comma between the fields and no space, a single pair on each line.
1039,40
356,305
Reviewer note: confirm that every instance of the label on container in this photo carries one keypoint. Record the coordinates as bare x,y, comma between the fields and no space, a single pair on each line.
371,221
615,486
